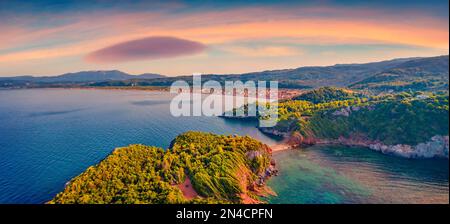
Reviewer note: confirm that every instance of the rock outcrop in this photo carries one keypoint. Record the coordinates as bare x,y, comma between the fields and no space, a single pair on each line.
437,147
296,139
273,131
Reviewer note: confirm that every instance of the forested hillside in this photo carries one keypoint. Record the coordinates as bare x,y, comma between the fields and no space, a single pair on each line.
430,74
222,169
327,94
401,119
404,118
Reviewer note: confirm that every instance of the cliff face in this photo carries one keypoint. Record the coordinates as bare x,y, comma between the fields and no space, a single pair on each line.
274,132
436,147
296,139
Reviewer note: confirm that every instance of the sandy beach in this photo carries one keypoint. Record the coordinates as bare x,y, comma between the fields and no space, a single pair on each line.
282,146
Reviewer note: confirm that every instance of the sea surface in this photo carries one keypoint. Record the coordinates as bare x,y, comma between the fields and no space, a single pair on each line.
338,174
48,136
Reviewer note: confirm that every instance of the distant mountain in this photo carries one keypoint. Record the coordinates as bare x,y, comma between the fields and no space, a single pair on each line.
410,73
417,74
343,75
148,76
84,76
392,75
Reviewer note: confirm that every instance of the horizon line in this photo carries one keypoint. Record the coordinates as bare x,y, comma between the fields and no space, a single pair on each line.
268,70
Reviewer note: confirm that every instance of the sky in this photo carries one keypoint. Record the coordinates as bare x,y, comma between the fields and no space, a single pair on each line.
45,38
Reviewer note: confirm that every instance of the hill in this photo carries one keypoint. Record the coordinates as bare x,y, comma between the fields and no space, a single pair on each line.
415,74
398,75
424,74
221,169
326,94
83,76
409,124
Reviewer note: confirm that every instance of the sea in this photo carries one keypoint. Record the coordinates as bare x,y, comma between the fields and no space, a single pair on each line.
49,136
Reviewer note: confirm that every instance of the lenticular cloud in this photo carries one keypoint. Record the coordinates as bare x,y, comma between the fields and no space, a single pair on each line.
146,48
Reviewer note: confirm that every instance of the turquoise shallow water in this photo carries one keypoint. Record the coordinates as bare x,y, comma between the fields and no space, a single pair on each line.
48,136
336,174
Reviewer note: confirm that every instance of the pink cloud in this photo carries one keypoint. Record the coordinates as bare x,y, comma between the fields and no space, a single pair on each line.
146,48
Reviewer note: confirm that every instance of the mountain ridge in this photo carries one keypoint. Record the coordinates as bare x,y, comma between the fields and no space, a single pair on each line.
85,76
416,73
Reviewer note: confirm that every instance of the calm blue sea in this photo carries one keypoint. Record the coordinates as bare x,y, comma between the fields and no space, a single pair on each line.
48,136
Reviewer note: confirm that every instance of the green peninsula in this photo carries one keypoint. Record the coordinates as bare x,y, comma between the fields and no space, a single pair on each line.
197,168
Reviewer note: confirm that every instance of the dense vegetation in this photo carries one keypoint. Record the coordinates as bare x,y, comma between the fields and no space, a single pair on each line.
293,114
424,74
400,80
398,119
326,94
407,117
221,169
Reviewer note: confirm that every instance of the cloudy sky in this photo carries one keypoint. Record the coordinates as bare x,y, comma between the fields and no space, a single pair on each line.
182,37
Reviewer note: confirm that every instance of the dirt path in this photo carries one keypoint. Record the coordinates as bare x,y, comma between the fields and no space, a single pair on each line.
187,189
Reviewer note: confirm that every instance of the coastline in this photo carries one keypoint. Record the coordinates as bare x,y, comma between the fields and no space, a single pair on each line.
155,89
280,147
283,93
436,147
150,89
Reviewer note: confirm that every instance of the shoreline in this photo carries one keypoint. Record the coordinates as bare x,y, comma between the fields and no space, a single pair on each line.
283,93
149,89
280,147
418,151
89,88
